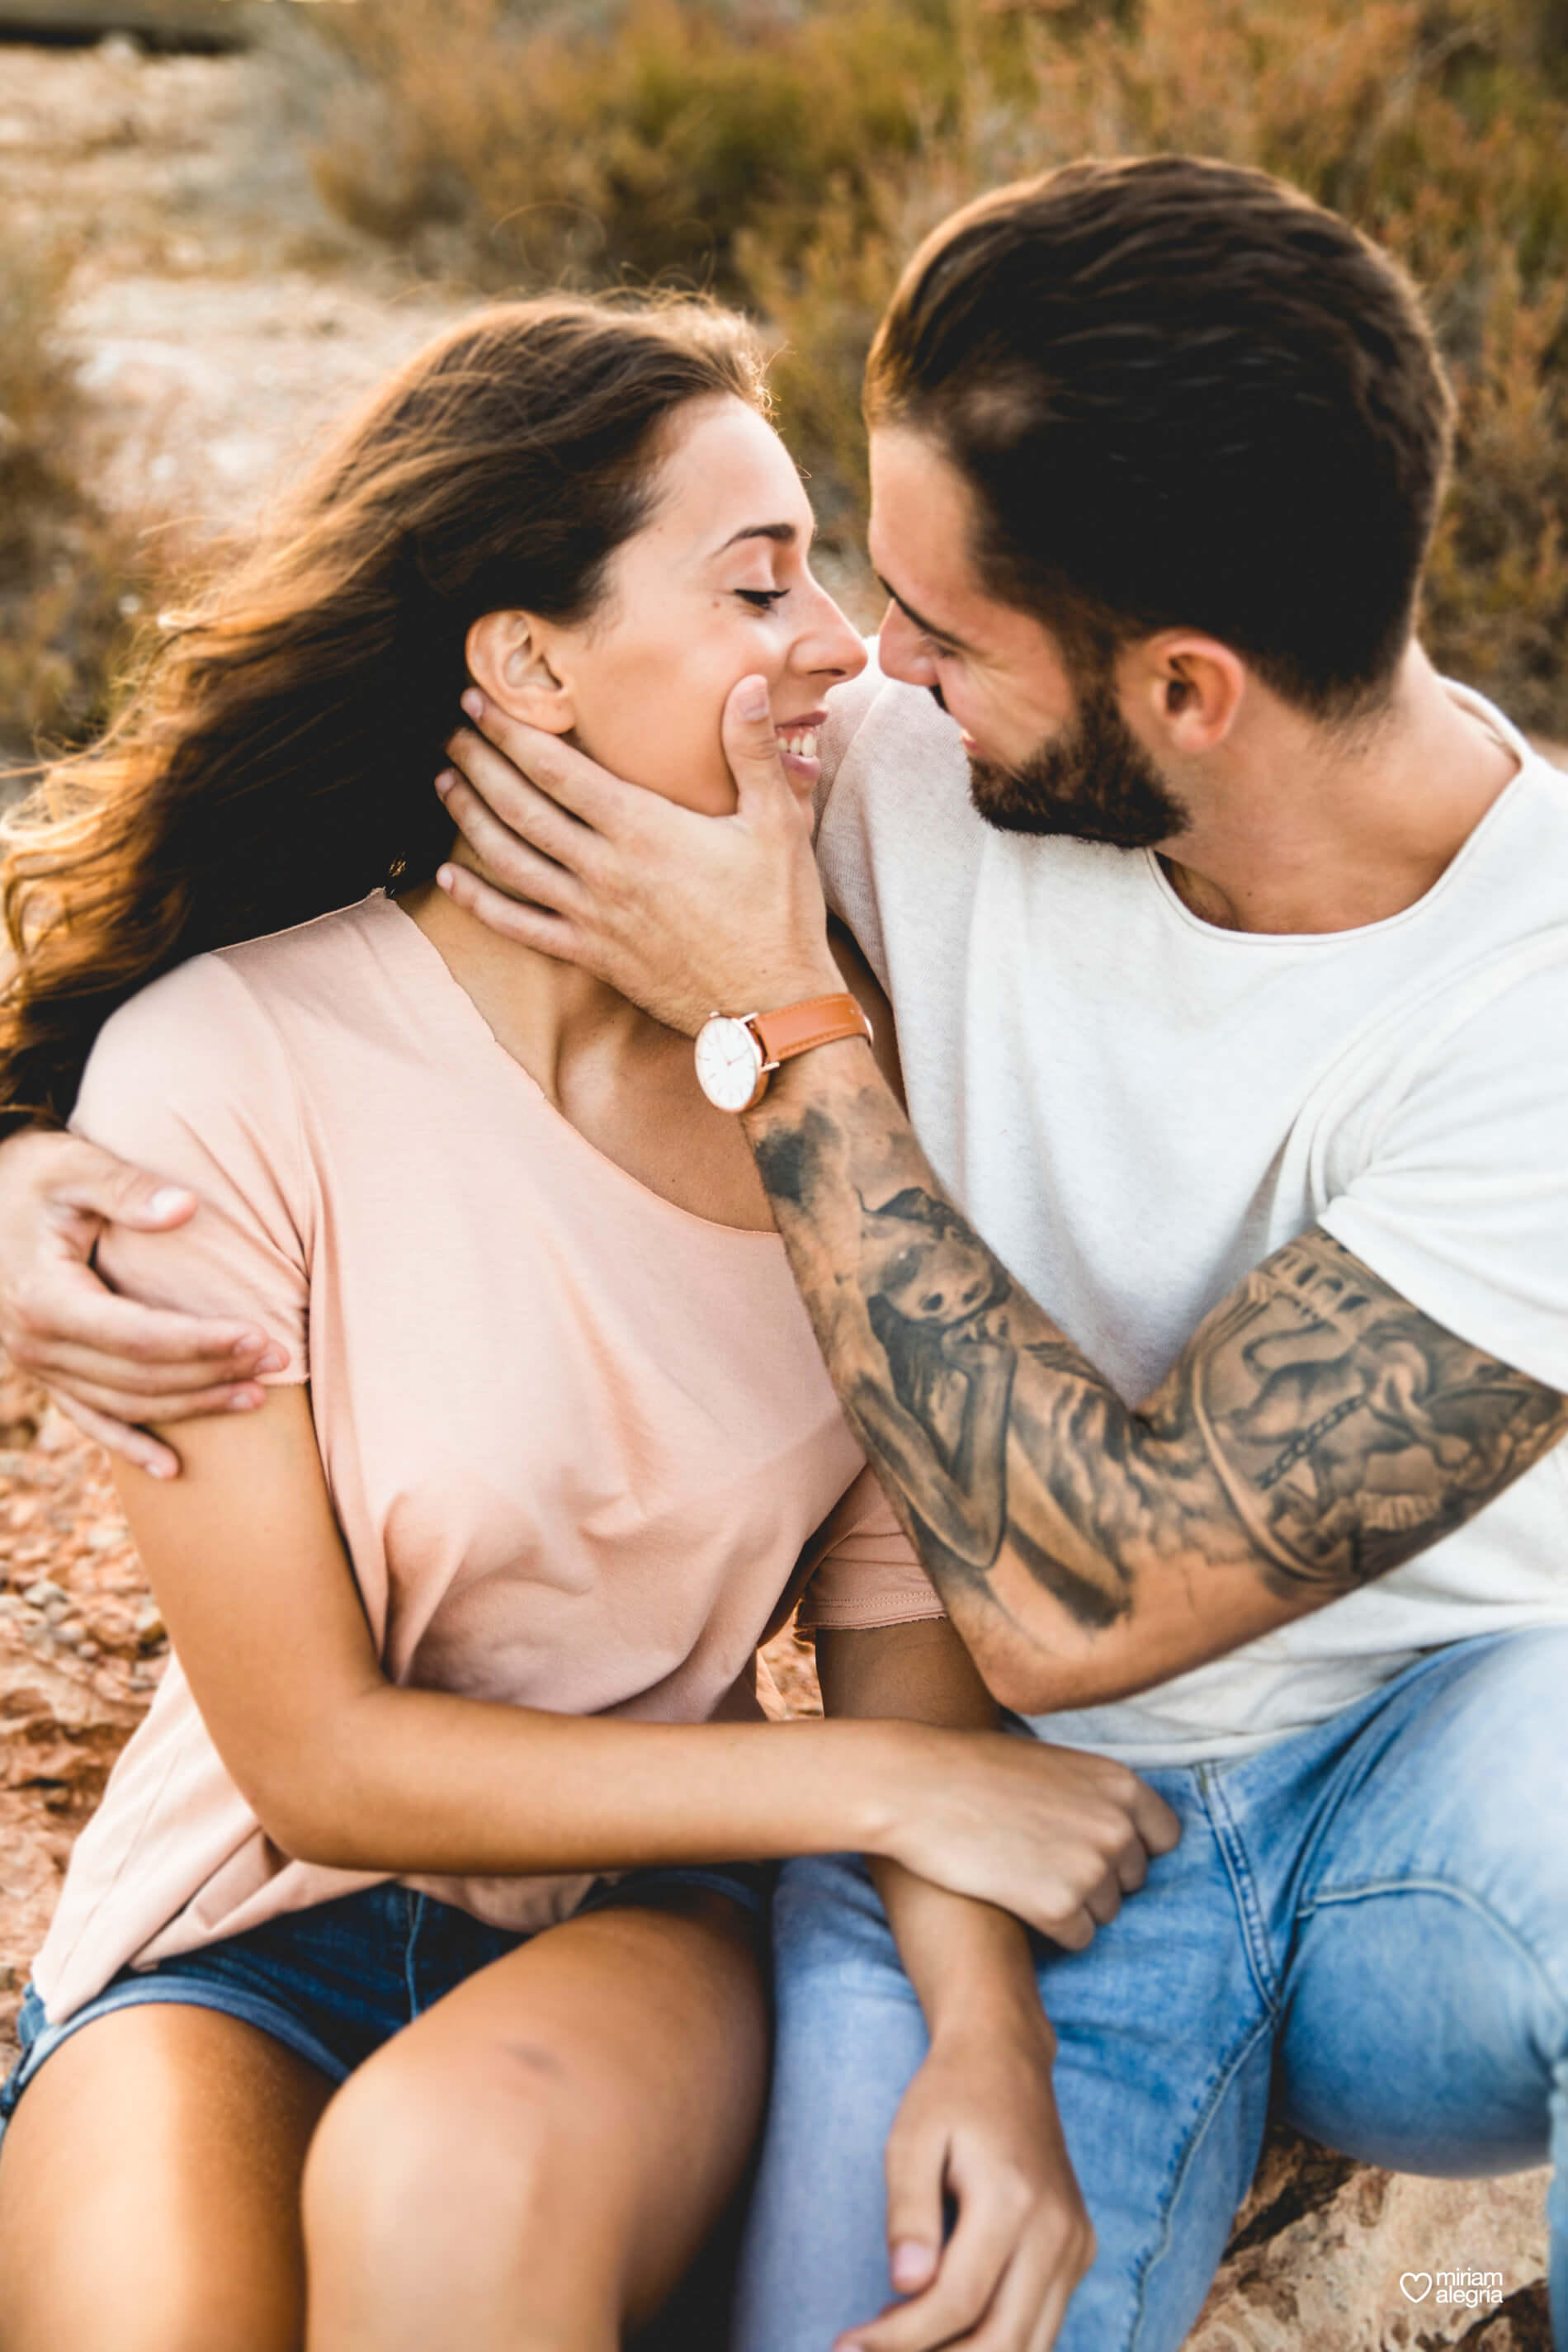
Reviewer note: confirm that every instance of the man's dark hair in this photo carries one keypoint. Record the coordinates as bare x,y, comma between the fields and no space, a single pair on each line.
1185,396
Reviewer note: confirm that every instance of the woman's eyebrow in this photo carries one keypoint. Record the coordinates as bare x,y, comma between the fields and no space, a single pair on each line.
783,534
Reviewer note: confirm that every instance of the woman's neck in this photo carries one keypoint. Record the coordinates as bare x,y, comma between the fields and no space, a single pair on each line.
551,1016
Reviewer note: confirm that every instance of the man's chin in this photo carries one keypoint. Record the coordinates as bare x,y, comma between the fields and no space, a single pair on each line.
1014,802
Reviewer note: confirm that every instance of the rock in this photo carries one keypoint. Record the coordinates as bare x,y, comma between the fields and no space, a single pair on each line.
1339,2257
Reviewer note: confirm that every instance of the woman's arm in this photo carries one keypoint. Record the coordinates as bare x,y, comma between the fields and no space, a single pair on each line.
344,1768
978,2125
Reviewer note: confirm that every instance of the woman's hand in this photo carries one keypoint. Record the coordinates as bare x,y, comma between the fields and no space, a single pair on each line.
978,2128
1053,1835
109,1362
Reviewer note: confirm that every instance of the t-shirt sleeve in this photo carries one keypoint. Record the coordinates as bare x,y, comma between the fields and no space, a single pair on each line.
869,1572
1462,1203
190,1081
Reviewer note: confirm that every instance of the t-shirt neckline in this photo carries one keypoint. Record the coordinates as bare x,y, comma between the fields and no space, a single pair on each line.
1506,733
473,1021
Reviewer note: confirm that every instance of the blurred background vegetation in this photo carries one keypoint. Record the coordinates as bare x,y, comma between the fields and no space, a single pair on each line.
787,153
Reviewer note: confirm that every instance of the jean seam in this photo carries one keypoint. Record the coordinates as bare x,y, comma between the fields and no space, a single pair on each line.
1262,2031
1374,1888
1238,1871
414,1915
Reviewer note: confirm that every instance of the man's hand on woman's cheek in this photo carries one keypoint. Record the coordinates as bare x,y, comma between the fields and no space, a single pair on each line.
684,914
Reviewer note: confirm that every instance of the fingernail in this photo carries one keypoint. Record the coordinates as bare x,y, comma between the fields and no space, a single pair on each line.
245,1400
445,781
910,2264
166,1200
274,1361
445,877
474,703
155,1469
753,702
247,1343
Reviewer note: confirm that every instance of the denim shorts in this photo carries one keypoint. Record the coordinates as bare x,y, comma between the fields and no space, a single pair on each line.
336,1980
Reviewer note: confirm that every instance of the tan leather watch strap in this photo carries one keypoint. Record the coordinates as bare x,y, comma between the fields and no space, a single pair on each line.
795,1028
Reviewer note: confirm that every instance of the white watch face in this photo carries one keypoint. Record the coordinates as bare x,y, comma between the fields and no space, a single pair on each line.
729,1062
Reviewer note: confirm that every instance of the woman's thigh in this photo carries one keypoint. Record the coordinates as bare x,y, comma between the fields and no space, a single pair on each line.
149,2188
539,2158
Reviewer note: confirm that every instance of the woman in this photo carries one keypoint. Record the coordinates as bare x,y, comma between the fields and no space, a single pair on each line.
464,1618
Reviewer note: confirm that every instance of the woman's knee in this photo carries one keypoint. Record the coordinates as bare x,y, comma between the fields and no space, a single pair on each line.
405,2164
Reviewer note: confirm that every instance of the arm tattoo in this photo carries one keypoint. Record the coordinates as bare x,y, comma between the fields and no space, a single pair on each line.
1317,1430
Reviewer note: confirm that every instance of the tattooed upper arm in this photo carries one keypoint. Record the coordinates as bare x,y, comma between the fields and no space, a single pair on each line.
1317,1431
1349,1430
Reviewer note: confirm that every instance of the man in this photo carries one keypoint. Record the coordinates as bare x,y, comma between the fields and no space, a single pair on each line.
1207,1317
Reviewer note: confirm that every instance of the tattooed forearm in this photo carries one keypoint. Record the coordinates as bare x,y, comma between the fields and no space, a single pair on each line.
1317,1431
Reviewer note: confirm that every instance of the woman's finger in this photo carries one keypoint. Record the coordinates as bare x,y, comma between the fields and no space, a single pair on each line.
958,2299
531,826
914,2164
120,1437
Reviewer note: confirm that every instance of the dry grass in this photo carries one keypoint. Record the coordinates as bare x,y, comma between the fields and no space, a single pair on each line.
789,154
72,581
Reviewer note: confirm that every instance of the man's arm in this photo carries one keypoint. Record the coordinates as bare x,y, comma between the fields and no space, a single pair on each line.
1316,1432
110,1362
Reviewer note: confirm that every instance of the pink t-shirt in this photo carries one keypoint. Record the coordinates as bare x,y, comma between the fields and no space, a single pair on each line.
581,1444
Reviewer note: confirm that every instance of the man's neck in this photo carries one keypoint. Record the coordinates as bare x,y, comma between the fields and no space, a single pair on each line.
1301,828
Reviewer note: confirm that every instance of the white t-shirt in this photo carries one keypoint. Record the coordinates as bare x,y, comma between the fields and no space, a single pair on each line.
1135,1108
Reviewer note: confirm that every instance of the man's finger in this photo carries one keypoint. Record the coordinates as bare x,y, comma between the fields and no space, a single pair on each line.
531,926
1132,1866
119,1437
752,747
558,769
118,1405
1104,1901
88,1179
72,1309
499,813
145,1385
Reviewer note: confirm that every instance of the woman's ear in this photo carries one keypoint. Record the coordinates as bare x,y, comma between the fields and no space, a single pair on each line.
509,661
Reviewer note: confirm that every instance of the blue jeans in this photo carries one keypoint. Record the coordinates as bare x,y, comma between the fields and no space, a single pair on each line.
1364,1929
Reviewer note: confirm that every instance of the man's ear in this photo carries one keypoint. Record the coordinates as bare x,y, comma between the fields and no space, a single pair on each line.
1190,689
509,661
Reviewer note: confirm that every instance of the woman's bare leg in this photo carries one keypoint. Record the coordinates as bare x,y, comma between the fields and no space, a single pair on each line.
532,2166
150,2190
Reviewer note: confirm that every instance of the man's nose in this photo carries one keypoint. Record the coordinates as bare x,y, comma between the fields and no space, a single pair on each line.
901,649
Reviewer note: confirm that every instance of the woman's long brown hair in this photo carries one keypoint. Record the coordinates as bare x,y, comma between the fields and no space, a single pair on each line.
277,759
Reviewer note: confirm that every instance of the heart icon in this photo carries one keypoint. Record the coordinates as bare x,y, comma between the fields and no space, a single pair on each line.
1416,2285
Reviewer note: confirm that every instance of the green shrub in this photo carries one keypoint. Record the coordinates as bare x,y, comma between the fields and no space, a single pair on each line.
790,155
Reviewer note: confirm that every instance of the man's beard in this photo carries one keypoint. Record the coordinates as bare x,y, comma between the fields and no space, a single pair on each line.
1095,782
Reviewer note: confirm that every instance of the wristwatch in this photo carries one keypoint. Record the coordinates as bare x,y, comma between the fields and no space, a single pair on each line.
737,1055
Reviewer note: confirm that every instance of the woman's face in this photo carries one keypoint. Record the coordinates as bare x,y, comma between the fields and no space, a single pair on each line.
715,588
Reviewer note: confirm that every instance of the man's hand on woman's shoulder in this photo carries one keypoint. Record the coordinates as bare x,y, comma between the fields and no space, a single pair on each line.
110,1363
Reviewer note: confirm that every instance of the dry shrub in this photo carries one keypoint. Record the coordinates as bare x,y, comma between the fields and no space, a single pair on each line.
71,579
790,154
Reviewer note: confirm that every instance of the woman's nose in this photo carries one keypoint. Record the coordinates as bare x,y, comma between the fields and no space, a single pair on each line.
831,646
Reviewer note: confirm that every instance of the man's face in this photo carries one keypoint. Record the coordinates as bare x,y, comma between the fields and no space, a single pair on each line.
1049,751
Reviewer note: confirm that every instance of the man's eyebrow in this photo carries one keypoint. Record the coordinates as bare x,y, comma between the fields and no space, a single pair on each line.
928,627
783,534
